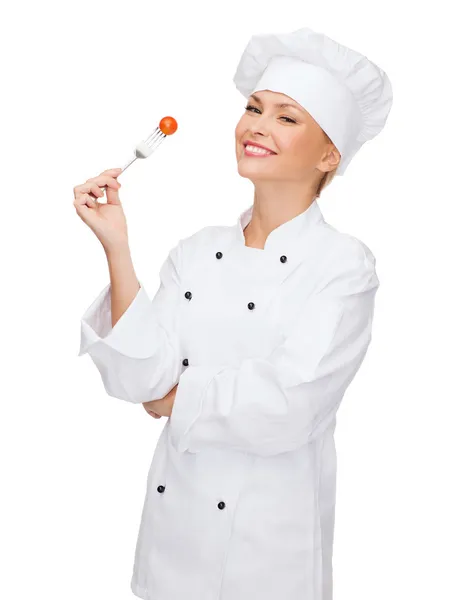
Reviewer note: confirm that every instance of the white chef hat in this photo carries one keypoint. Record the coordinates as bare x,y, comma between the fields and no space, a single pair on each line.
349,96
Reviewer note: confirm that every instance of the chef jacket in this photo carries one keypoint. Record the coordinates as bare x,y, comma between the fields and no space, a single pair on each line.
263,342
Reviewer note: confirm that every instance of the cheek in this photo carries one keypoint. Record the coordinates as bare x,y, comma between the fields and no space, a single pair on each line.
302,148
240,130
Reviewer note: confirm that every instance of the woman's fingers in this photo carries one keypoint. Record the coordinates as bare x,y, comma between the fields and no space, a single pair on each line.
94,184
151,412
114,172
106,219
88,191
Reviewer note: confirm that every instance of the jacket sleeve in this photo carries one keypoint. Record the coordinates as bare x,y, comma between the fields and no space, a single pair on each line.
275,404
139,358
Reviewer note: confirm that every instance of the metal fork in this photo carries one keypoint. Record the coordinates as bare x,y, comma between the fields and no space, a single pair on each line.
145,148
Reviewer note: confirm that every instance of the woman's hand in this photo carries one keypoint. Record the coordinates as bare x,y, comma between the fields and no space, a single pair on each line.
163,406
153,414
106,219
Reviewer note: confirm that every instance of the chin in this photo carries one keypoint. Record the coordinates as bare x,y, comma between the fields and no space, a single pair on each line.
254,175
255,168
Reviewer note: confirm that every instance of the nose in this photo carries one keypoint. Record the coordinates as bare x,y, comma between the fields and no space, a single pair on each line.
261,127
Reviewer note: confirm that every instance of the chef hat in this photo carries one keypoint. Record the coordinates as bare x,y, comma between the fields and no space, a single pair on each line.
346,94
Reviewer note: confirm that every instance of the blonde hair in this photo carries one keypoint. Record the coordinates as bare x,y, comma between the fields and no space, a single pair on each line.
328,175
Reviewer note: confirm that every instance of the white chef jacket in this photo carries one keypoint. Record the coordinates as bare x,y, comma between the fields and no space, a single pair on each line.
263,343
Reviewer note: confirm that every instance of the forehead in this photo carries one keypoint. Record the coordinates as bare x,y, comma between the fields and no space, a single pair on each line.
276,99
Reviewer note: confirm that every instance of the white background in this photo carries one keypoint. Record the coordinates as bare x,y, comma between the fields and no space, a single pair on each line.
83,82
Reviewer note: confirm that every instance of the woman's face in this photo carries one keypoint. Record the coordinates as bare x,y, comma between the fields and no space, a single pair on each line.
302,150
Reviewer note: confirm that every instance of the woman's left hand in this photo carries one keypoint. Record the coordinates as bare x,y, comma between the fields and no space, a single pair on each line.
163,406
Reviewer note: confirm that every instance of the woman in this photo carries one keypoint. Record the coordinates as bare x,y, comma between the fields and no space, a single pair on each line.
251,340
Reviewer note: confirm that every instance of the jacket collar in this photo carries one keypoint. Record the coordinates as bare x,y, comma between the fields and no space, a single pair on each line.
283,235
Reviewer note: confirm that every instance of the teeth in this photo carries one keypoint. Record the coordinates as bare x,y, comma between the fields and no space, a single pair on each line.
257,150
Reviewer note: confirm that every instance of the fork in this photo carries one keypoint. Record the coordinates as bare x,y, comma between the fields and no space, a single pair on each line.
146,147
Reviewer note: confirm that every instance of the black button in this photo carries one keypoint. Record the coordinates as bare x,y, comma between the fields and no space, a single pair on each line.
251,305
185,362
219,254
188,295
283,258
221,505
161,488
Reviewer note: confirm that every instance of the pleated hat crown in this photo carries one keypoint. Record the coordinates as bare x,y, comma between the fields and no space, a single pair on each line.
348,95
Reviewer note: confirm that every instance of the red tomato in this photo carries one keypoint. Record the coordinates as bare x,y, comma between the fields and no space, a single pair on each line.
168,125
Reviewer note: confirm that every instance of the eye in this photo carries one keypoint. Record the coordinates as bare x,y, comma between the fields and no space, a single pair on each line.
289,120
252,108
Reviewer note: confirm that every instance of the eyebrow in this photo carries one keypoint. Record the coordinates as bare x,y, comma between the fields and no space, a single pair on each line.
279,104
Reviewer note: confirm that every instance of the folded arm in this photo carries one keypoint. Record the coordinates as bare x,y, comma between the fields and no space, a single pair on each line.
275,404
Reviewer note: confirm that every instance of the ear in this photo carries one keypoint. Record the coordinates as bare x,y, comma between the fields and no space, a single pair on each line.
330,160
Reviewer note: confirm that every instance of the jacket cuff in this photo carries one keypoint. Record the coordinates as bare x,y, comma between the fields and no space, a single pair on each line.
188,403
96,326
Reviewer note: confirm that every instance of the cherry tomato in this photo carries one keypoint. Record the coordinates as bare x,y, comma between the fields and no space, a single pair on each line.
168,125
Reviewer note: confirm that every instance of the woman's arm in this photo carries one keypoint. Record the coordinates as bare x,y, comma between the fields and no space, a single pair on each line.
137,349
124,283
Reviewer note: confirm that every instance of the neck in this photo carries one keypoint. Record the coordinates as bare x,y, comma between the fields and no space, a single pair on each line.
273,205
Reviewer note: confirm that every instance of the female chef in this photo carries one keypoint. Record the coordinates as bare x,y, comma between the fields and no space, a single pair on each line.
251,340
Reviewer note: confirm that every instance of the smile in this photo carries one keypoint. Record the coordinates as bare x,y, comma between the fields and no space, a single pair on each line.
255,151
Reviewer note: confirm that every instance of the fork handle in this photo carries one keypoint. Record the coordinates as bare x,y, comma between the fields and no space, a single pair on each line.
129,163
